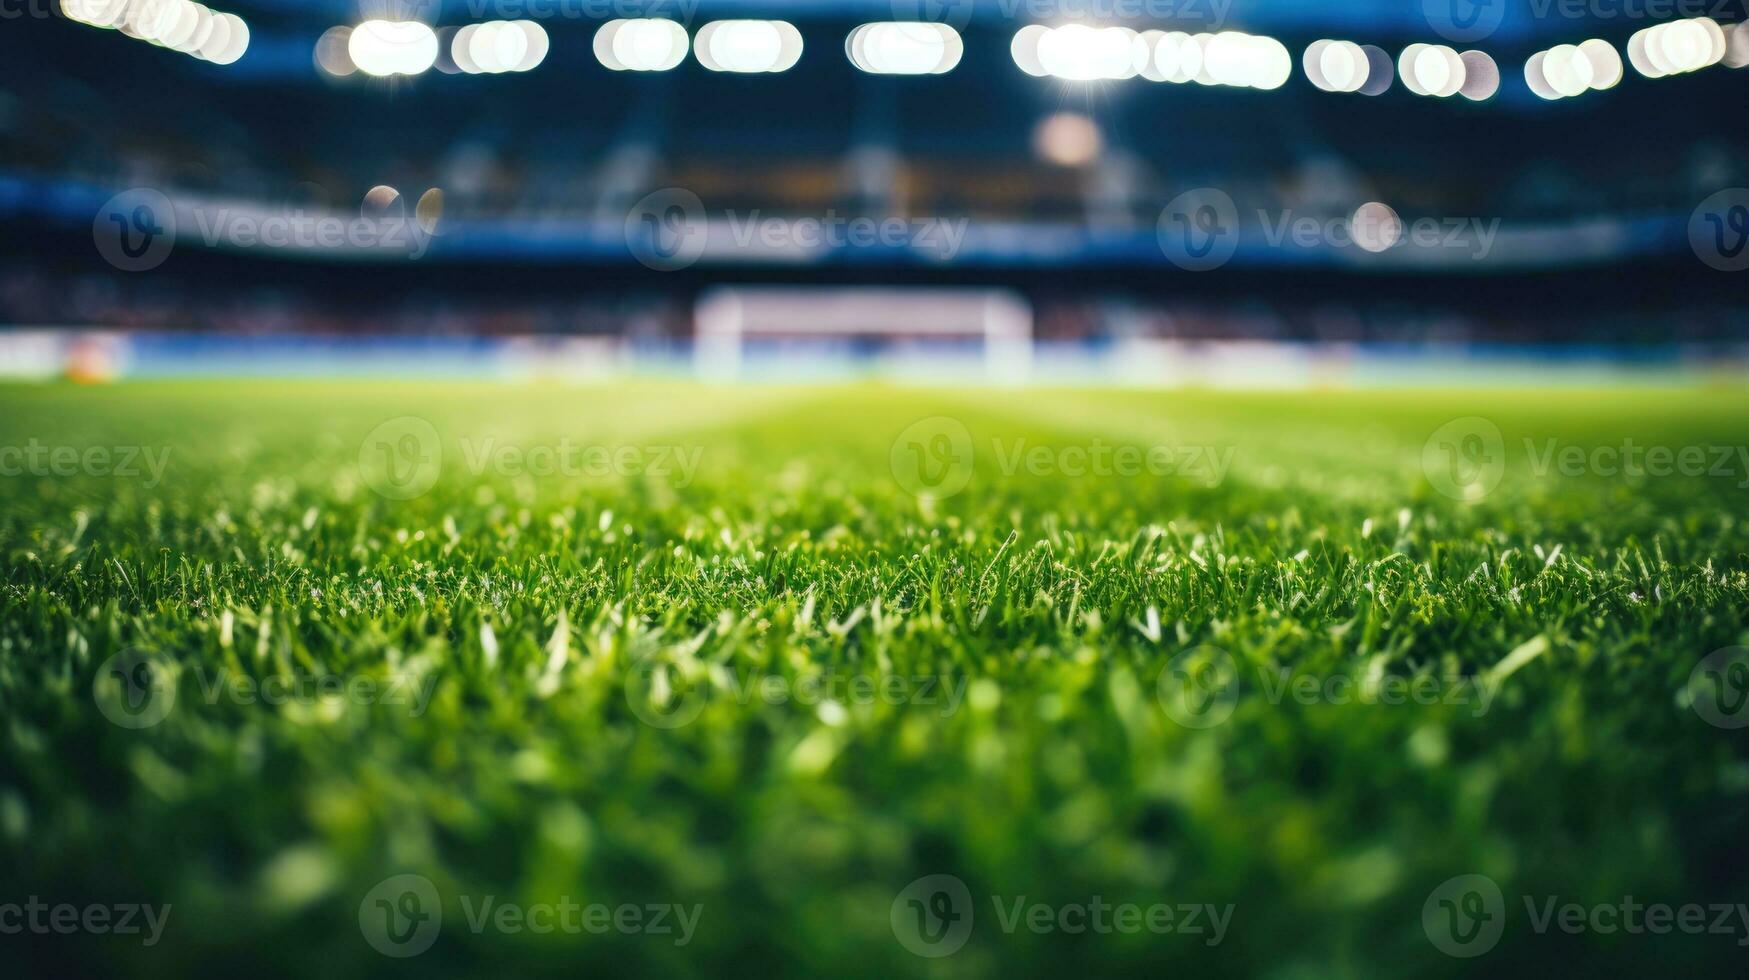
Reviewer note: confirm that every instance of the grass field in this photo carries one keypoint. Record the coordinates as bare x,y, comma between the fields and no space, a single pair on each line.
766,657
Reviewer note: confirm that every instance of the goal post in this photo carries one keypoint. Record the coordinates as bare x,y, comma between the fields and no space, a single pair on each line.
726,317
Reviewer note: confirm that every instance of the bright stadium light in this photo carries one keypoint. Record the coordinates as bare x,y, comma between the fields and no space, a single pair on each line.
1142,49
1432,69
94,13
1375,226
1336,66
1481,76
1079,53
383,48
1228,58
748,46
538,45
1533,76
1246,61
1380,70
1024,49
1678,47
904,48
331,55
1067,139
641,44
1178,57
1606,67
1567,70
1737,46
180,25
498,46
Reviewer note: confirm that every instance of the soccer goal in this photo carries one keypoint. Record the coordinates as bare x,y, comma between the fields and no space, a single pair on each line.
727,318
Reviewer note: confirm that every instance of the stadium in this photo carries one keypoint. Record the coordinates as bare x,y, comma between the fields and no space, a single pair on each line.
873,487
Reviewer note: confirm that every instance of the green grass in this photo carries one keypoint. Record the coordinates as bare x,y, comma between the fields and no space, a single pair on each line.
547,617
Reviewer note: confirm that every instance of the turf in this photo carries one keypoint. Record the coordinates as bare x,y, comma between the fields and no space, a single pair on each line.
590,650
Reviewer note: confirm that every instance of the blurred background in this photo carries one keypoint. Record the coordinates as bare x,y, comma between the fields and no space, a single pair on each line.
1137,191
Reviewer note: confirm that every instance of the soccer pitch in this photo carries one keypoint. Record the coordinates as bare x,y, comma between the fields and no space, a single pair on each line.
670,680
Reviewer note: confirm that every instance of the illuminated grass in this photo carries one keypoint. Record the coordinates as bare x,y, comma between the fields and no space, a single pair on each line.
780,685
